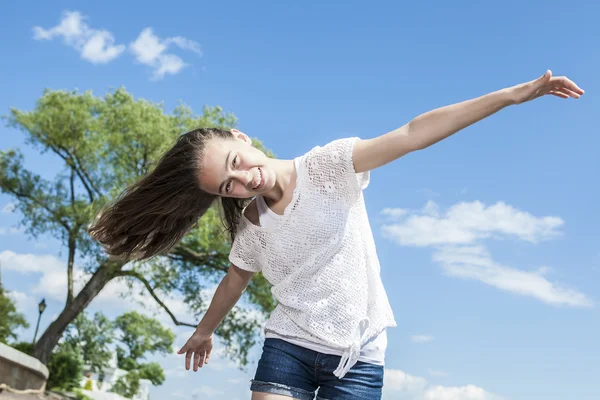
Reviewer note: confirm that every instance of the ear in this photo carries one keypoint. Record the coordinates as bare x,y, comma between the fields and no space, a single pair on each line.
239,135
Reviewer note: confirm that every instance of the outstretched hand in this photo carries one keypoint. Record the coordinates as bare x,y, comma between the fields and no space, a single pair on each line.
559,86
200,345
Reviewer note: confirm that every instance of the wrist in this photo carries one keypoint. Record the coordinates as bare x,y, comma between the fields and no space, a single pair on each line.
509,96
202,329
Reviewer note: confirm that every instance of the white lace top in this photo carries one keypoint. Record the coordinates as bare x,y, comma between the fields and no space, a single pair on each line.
320,258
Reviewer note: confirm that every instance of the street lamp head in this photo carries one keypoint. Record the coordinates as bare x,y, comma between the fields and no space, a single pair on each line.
42,306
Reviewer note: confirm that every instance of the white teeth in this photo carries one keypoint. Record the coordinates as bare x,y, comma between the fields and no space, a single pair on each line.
259,180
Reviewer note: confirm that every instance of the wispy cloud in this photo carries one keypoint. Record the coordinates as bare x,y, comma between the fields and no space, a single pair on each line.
421,338
99,46
457,235
150,50
94,45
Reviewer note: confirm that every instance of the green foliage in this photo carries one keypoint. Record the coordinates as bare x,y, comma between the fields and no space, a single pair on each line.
25,347
141,335
10,319
79,395
90,338
65,369
127,385
135,336
104,144
153,372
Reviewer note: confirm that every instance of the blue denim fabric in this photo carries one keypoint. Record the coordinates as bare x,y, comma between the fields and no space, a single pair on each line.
295,371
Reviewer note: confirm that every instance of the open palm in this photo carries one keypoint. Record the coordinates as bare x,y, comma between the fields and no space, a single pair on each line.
559,86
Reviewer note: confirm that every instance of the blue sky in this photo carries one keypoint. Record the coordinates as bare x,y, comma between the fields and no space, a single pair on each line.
488,241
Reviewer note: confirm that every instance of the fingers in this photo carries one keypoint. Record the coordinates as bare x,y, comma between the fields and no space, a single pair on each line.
562,82
565,93
198,360
188,358
558,94
207,356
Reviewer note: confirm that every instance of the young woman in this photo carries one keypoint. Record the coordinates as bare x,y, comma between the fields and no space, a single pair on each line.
303,223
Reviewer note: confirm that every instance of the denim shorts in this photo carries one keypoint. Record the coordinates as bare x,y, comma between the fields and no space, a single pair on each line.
295,371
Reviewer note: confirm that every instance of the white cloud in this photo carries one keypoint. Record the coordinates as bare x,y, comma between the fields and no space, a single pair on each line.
399,385
469,392
8,208
28,263
421,338
98,46
474,262
466,223
150,50
23,301
95,46
394,212
456,237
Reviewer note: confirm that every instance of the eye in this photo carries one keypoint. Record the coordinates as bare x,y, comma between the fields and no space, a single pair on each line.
228,187
234,162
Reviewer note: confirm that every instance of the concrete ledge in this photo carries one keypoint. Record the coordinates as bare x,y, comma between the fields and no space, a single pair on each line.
21,371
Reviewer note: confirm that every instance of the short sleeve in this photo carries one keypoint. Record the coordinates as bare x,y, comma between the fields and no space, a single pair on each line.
331,166
243,254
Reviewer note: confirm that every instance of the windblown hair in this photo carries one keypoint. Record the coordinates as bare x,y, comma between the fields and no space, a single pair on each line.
151,216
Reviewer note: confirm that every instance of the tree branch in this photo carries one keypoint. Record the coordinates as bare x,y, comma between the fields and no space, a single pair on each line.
39,203
139,277
187,254
76,166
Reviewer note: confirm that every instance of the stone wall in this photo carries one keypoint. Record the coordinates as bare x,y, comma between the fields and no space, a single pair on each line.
21,371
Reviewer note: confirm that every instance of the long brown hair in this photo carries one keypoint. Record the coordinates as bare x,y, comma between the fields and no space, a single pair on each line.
152,215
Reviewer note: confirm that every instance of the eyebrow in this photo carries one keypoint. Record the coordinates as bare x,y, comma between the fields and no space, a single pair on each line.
226,165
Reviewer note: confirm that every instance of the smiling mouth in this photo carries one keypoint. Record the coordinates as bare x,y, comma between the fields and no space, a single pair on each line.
261,182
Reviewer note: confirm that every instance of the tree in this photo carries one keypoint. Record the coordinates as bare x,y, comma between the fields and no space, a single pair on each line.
91,338
140,335
104,144
10,319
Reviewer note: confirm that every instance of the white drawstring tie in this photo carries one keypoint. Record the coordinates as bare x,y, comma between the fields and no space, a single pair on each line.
352,353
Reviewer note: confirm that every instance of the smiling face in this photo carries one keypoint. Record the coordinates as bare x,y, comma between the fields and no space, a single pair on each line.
234,168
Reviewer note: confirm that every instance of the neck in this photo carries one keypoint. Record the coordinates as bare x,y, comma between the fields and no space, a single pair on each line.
285,179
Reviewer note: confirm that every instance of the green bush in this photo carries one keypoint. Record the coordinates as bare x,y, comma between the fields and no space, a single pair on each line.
80,396
65,369
24,347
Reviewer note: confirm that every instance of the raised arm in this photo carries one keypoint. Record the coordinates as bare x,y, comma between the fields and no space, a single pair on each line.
438,124
228,293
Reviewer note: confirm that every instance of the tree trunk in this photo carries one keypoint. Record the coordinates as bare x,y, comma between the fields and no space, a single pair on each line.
70,263
51,336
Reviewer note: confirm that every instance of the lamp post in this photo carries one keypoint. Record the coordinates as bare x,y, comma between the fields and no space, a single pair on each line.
41,308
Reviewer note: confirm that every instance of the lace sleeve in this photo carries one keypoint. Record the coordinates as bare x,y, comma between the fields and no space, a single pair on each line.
331,167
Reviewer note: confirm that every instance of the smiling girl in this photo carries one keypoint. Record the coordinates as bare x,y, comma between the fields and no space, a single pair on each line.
303,223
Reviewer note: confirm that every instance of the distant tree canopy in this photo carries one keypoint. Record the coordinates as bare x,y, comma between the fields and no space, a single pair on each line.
104,144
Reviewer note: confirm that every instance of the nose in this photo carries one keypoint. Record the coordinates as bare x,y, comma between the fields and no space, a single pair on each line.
244,177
